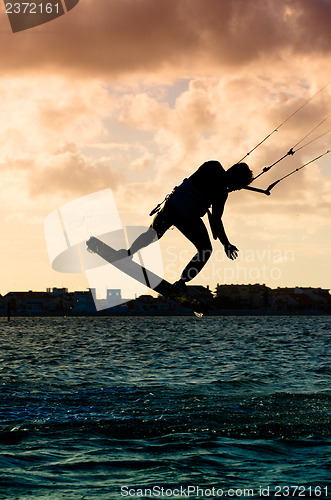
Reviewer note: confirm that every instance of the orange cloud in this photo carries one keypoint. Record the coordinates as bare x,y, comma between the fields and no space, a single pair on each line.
118,38
68,172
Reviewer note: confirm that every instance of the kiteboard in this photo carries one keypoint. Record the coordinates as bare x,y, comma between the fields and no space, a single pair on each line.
146,277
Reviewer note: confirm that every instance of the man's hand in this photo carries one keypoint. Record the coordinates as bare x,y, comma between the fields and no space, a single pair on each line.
231,251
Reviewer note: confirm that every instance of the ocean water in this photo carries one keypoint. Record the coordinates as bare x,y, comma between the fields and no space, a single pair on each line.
165,407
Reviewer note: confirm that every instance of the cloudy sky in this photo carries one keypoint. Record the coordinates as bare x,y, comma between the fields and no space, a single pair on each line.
133,95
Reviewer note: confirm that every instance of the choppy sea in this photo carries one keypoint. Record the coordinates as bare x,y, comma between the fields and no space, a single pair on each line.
165,407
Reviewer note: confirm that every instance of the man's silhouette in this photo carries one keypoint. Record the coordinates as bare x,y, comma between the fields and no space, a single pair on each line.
207,187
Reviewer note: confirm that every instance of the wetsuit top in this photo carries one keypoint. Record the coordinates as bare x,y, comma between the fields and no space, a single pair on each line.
204,188
209,179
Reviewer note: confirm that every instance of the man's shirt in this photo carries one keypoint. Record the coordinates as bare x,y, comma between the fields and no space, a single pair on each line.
210,181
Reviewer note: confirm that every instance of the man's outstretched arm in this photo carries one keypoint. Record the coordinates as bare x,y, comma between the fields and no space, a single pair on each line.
230,250
218,231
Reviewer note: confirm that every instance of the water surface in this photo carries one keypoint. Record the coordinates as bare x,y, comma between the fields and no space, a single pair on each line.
102,408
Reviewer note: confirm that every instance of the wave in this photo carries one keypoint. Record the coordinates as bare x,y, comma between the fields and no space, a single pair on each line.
136,414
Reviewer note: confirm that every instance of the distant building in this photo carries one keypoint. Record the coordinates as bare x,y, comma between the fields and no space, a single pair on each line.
30,303
243,296
114,299
301,300
57,291
81,302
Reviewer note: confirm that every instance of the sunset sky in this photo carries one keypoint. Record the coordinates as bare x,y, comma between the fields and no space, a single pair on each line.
134,95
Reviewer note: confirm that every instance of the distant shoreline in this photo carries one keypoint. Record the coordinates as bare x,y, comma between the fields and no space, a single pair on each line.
105,314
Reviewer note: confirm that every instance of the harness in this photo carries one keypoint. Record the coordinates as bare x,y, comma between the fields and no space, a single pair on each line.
158,207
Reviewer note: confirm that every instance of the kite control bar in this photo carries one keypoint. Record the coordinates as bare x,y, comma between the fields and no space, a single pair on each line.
269,188
263,191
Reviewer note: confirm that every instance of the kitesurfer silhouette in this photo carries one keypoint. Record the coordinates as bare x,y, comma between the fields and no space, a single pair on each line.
207,187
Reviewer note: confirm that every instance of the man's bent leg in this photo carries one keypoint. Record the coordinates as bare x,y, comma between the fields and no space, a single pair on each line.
195,265
196,232
143,240
161,223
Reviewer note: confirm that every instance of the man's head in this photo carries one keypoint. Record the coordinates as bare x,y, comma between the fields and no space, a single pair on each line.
238,176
